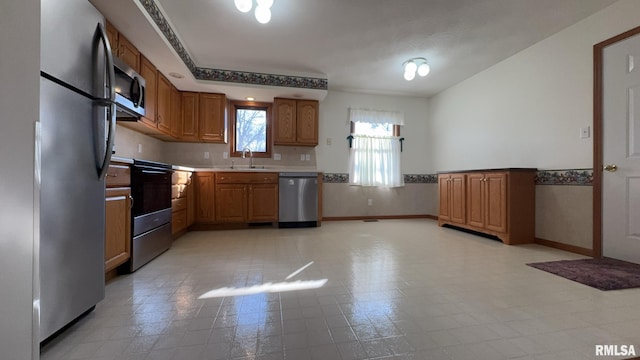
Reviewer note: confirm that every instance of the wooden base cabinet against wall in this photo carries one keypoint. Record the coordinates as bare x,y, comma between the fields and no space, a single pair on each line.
118,204
204,204
495,202
246,197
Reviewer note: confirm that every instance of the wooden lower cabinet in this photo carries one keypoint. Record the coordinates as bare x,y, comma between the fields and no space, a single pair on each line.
117,247
241,197
231,203
262,202
204,204
497,202
452,197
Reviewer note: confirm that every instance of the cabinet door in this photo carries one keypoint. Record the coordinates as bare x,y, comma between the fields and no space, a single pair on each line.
191,201
475,200
117,246
176,112
457,198
231,202
204,209
212,127
149,73
263,202
284,121
163,106
112,35
188,123
444,183
496,201
128,53
307,122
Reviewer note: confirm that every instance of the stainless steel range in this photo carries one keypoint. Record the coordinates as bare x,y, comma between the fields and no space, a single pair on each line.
151,191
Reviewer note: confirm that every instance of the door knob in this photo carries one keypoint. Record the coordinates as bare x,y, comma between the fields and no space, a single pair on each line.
611,168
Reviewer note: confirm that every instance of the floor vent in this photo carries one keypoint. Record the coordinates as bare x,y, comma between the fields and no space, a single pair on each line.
370,220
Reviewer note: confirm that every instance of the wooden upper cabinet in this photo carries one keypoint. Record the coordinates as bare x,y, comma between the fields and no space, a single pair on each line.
176,112
163,109
187,128
112,35
295,122
213,124
307,122
128,53
149,73
284,121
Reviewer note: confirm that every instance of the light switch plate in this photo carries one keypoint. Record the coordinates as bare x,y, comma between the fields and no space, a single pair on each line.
585,132
207,155
277,157
307,157
301,157
225,155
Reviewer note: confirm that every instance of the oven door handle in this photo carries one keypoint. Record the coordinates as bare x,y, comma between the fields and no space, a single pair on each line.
154,172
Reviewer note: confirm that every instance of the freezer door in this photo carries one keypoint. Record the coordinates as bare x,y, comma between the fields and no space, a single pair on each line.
66,37
72,209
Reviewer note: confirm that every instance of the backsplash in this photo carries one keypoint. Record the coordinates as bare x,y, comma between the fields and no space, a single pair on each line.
193,154
129,142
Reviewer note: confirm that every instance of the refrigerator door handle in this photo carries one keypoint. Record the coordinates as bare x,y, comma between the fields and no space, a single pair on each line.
101,37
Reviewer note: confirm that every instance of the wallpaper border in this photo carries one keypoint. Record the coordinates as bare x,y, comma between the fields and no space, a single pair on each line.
576,177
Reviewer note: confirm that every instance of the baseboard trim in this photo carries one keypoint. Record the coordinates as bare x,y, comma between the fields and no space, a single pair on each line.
566,247
380,217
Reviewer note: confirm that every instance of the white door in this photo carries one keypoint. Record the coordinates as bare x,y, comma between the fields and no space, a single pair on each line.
621,151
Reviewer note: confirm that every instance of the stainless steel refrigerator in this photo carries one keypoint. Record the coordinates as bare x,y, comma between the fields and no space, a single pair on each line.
77,126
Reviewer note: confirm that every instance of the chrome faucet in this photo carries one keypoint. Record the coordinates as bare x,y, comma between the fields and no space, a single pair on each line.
244,156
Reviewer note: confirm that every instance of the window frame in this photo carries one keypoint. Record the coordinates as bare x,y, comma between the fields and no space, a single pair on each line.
251,105
396,129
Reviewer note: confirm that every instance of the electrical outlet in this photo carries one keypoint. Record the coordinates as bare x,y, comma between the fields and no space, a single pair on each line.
301,157
328,141
225,155
139,148
277,157
370,202
307,157
207,155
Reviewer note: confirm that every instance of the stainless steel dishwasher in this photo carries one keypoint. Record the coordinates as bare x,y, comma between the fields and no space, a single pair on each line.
298,199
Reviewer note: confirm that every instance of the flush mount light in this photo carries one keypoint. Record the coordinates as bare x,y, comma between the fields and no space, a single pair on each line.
263,9
176,75
250,98
243,5
414,65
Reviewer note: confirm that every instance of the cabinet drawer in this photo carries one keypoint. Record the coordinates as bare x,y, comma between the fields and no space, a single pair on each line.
246,178
178,204
118,175
178,221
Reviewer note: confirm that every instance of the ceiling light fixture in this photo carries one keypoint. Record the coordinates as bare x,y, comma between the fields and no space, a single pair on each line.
414,65
243,5
263,9
250,98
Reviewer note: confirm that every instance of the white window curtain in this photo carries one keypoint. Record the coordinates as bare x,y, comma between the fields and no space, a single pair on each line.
375,160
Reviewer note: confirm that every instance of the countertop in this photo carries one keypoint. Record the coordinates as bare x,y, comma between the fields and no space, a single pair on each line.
228,168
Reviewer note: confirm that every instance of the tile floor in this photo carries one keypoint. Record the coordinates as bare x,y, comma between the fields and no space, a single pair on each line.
396,289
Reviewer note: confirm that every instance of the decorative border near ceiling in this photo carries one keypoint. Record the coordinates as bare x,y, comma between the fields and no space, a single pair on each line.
234,76
576,177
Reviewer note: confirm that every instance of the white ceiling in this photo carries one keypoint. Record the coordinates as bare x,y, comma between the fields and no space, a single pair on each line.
357,45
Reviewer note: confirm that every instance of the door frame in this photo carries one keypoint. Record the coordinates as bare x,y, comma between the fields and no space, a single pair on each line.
598,51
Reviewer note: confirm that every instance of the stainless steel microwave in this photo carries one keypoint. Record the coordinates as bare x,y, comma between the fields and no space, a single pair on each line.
130,91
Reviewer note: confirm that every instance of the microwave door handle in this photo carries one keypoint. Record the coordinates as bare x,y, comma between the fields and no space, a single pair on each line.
101,38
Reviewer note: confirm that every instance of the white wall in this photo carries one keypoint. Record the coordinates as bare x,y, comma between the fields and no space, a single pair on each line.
334,117
527,110
19,94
